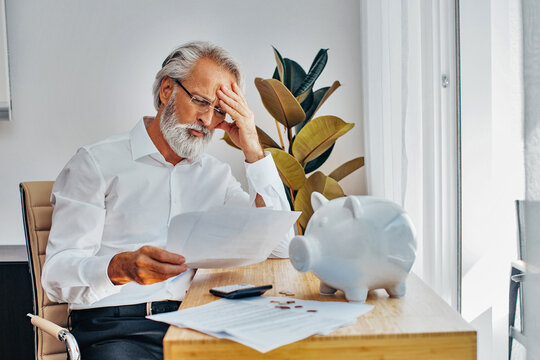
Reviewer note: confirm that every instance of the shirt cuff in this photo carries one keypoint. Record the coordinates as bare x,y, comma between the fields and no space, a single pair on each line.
94,270
261,175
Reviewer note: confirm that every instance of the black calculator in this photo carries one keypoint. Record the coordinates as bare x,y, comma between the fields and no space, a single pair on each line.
239,290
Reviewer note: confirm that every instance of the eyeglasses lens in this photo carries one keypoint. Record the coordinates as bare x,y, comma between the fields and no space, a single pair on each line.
203,106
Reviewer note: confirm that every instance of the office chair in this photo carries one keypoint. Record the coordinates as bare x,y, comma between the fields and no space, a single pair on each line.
528,216
37,218
516,294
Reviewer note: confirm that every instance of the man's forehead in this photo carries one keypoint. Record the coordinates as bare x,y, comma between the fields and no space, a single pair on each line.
207,77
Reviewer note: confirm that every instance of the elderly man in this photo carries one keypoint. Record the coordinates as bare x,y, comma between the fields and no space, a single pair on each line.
114,199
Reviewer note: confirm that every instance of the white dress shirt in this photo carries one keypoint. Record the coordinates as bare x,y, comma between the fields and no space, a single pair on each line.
119,194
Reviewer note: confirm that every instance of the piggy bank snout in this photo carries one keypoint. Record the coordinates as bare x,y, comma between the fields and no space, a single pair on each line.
303,253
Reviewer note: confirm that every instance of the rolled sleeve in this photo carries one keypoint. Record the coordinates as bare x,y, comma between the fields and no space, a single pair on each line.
263,179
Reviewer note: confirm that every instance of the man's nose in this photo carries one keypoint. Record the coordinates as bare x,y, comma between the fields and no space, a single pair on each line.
206,118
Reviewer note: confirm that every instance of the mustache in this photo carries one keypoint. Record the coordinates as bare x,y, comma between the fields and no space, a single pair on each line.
197,127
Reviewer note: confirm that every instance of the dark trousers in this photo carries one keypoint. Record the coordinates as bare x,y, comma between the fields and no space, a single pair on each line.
120,332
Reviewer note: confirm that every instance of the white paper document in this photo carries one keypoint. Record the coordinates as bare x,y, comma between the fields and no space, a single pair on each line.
227,236
260,324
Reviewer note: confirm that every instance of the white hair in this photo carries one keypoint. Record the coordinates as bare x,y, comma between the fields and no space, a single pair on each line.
180,62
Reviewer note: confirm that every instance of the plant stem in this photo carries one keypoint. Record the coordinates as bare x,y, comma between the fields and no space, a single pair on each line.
289,135
279,133
297,221
299,228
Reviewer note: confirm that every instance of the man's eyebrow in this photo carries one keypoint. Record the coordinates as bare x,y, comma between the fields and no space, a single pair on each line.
202,96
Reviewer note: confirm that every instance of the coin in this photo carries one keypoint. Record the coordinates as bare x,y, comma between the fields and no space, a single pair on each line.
286,293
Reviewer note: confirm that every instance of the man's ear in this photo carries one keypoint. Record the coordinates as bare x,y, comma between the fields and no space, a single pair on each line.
166,89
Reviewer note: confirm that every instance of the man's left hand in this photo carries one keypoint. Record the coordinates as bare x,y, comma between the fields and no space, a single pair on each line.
242,130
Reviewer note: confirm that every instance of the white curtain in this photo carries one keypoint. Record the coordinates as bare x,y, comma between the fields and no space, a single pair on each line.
410,125
531,81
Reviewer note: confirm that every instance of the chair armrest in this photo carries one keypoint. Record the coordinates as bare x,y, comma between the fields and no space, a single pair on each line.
58,332
526,271
48,326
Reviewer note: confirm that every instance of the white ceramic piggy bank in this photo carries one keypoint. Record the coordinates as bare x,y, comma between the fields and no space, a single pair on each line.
355,244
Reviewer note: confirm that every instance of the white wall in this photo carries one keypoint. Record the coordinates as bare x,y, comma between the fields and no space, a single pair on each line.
4,80
81,71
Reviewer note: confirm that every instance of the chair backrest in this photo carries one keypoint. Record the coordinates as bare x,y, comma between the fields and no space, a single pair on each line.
37,218
528,217
520,211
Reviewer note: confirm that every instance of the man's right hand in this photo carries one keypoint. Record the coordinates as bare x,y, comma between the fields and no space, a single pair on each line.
146,266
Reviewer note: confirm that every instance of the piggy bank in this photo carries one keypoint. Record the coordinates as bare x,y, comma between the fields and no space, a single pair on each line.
355,244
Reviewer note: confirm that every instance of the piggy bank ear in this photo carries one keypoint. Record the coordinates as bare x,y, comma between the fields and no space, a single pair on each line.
352,203
317,200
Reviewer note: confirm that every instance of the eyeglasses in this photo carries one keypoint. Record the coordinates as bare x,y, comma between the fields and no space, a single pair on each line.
202,104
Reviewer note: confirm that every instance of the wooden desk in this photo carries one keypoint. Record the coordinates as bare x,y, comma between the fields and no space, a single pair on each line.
418,326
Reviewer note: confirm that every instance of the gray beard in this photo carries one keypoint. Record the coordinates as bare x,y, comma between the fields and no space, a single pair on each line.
177,135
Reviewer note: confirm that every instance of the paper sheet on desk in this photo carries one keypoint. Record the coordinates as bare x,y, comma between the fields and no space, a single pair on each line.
257,323
227,236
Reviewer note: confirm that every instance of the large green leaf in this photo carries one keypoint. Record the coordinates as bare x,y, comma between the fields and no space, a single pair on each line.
280,68
317,136
302,98
304,94
294,75
314,71
279,102
319,97
326,95
228,140
347,168
318,161
276,74
316,182
289,198
265,140
306,102
322,56
289,169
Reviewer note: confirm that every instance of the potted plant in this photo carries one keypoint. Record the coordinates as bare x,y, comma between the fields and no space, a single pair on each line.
289,98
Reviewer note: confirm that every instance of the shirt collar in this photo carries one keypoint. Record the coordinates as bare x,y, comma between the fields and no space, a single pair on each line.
142,145
196,160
